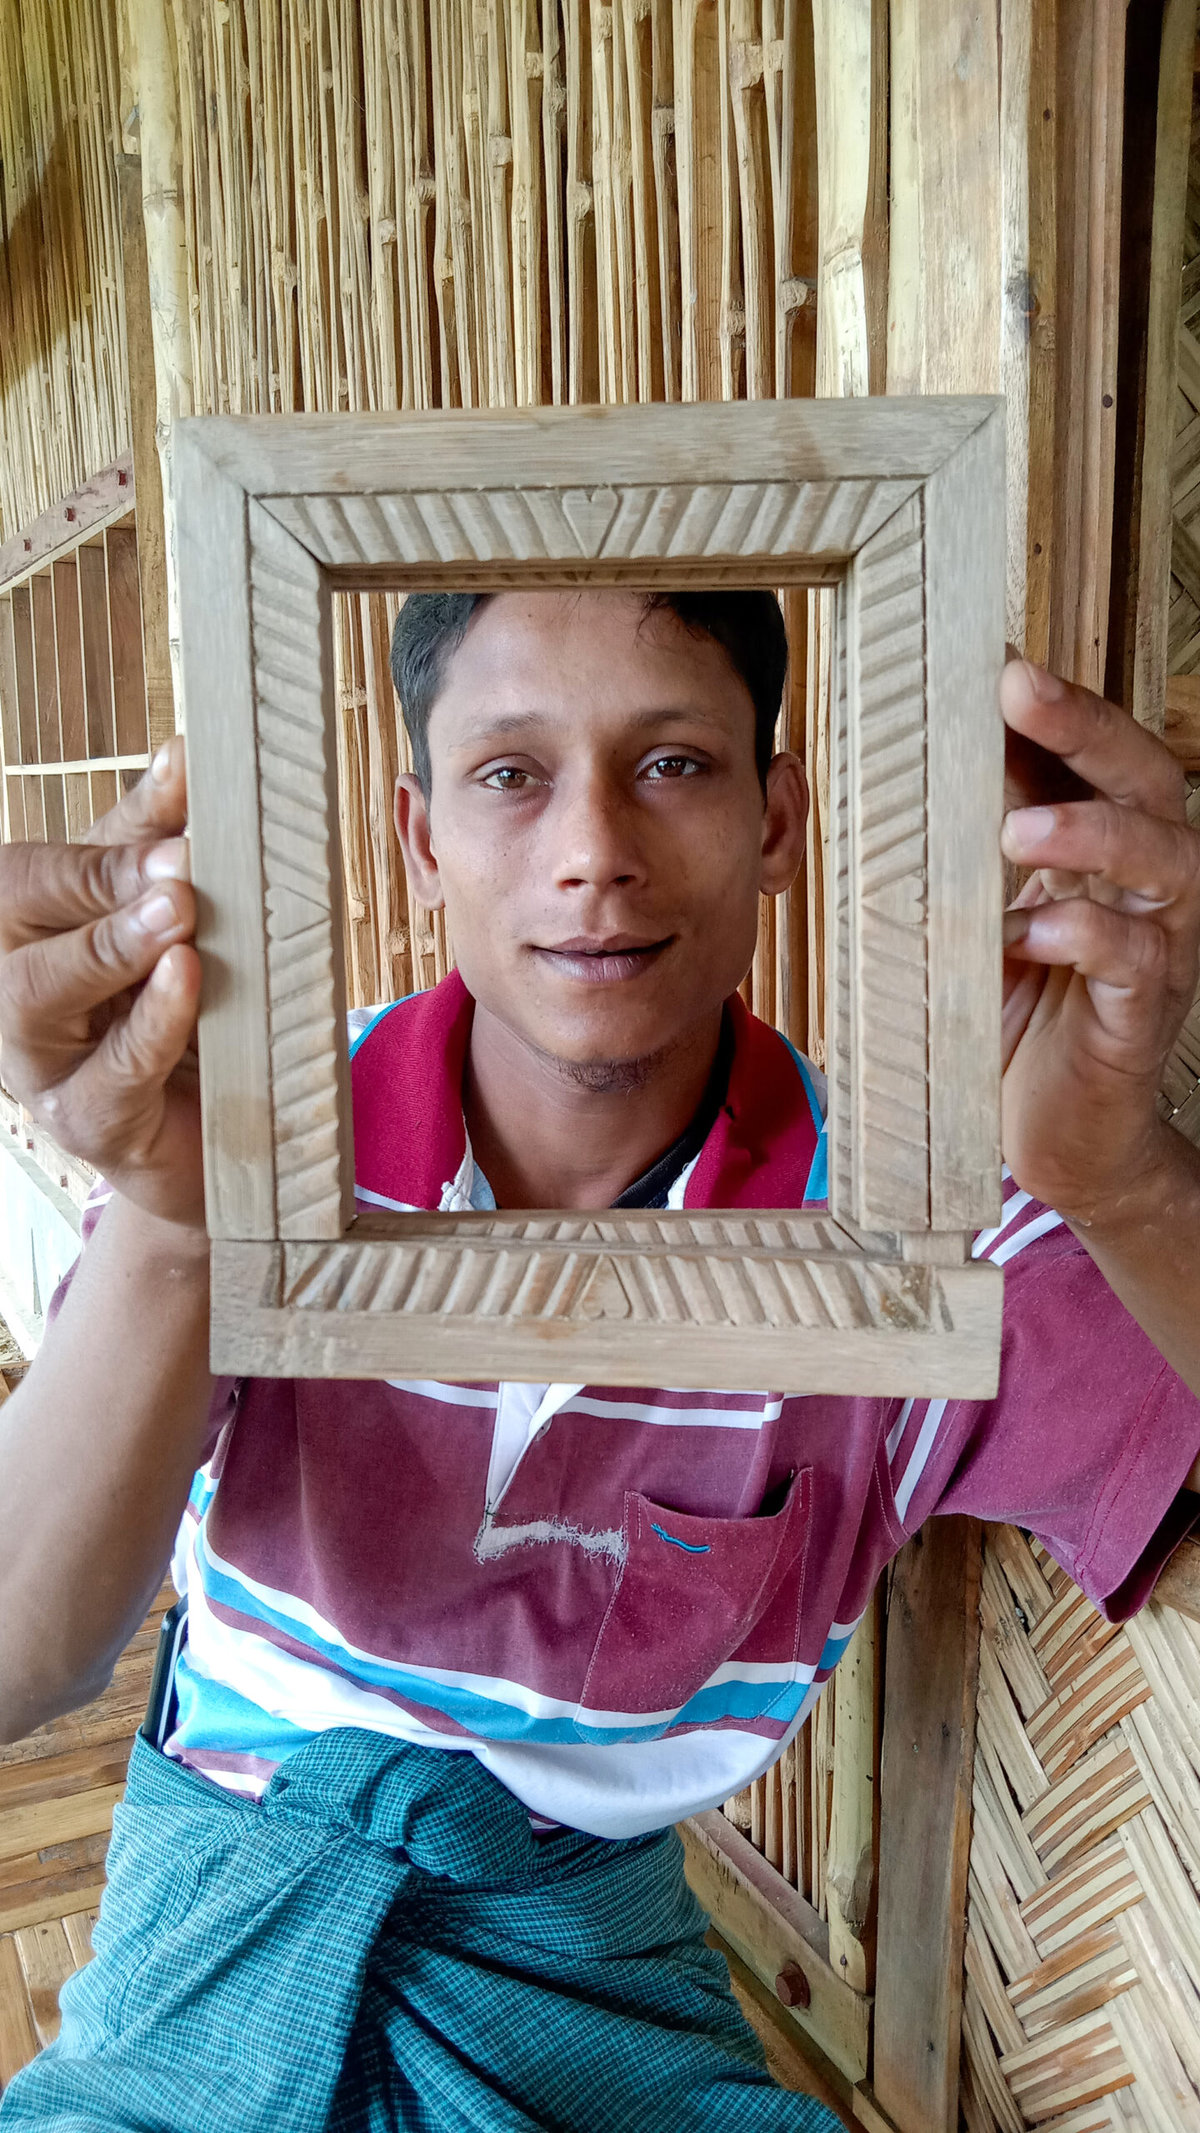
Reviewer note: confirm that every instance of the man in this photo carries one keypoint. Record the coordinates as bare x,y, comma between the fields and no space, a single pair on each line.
457,1656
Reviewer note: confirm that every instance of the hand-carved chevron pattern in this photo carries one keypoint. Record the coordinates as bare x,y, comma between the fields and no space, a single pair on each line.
506,1277
888,849
298,867
828,519
840,1029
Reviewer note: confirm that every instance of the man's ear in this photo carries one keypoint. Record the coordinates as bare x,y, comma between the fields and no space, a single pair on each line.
412,828
784,820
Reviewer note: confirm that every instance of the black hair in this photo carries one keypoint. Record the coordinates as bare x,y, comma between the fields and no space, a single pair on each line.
748,626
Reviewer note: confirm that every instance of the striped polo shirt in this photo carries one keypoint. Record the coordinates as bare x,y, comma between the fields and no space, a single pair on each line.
625,1601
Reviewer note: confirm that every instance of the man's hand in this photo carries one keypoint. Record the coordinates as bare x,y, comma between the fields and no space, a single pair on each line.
99,986
1101,947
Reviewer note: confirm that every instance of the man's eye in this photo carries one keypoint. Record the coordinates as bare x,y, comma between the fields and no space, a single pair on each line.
673,766
507,778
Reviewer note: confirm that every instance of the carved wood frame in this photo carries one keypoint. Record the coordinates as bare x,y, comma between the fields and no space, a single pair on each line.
898,507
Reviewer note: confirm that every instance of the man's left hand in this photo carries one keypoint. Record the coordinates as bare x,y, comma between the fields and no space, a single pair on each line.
1102,945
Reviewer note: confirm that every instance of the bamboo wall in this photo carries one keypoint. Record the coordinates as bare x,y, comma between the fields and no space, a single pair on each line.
495,205
63,394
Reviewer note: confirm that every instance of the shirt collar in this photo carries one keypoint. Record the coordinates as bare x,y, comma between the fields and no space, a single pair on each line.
764,1149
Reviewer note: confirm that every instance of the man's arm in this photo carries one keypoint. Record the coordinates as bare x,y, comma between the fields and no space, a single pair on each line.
1149,1253
1102,949
98,1447
98,991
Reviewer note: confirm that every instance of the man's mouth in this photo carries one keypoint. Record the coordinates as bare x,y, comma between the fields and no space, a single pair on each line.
603,959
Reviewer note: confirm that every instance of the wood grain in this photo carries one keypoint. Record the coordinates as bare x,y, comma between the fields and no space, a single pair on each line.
419,536
69,650
301,878
888,913
125,629
18,2037
925,1832
559,448
223,809
964,564
143,413
443,1306
107,496
770,1925
804,495
1156,502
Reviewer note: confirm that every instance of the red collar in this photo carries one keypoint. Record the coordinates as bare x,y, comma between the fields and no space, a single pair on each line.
410,1139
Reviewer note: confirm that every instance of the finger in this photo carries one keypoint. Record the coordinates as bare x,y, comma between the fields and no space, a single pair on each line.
50,982
1155,862
1098,742
116,1092
1123,958
51,888
154,808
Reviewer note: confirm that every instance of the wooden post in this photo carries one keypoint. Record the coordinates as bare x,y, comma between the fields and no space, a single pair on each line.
925,1824
161,307
850,1862
843,46
1089,128
147,469
1176,58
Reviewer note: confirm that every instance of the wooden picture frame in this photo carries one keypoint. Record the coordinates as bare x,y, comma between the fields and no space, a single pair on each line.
898,506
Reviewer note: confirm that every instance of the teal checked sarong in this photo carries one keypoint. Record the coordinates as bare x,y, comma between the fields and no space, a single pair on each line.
382,1941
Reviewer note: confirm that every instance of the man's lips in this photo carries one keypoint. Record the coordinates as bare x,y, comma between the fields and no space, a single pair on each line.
602,959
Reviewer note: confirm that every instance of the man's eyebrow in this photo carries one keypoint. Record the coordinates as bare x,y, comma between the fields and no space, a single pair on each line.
509,722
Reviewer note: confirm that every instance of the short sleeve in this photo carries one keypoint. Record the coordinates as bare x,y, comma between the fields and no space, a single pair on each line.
1089,1439
224,1400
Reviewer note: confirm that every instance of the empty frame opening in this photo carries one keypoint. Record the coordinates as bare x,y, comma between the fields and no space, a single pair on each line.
396,943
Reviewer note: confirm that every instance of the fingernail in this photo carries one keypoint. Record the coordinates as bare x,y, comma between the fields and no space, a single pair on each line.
156,915
1016,926
160,767
168,862
1047,686
1026,827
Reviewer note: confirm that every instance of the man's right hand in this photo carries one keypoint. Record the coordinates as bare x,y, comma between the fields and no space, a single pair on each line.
99,987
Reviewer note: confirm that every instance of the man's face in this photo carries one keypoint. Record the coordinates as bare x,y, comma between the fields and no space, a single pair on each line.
596,828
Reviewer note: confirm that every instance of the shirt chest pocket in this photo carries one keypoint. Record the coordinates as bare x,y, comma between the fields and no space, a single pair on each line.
691,1592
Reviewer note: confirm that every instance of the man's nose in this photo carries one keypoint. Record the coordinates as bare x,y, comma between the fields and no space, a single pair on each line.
597,842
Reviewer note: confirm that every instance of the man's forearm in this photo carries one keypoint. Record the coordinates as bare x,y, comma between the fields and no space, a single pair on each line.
97,1451
1149,1252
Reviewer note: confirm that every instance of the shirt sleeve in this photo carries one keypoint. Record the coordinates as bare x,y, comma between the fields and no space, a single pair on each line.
225,1390
1090,1437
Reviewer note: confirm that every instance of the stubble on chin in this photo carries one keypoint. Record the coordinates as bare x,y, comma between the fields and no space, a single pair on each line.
612,1077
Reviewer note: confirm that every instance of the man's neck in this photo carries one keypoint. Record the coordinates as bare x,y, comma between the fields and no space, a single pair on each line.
544,1137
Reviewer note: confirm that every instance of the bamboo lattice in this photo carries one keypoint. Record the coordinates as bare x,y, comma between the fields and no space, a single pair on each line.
1081,2008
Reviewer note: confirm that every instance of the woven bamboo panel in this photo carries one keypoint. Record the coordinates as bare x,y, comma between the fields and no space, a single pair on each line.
1081,2005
